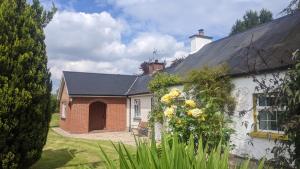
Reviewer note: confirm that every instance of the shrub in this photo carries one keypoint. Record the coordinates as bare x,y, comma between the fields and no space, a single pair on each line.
186,116
172,154
25,84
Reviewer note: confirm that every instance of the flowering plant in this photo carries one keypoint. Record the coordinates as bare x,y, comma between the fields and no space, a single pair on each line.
187,116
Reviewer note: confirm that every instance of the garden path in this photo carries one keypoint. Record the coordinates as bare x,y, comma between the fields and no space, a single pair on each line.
123,136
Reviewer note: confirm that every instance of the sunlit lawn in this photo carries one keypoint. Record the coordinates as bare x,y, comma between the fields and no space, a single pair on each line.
63,152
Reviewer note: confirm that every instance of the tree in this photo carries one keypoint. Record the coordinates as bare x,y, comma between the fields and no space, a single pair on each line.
144,68
25,83
176,61
54,103
250,20
293,6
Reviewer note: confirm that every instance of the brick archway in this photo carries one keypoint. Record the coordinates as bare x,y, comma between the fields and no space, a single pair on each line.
97,116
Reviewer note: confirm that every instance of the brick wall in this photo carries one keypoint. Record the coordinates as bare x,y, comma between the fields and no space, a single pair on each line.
77,116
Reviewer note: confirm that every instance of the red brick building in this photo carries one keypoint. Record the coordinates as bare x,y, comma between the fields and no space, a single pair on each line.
95,101
92,101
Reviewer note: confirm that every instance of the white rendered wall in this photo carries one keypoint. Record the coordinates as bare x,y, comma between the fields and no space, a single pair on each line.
197,43
243,93
145,108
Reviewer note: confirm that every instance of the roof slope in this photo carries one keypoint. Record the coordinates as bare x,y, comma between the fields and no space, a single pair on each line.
96,84
267,46
140,86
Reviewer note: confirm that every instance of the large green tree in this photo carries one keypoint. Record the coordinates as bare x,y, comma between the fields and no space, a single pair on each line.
250,20
25,84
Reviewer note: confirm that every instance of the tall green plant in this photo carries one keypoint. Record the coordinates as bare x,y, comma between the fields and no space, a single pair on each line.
25,84
172,154
159,86
212,86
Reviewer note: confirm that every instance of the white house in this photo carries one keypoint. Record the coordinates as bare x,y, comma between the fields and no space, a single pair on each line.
258,52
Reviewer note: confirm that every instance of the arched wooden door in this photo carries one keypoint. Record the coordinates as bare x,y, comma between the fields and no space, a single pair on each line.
97,116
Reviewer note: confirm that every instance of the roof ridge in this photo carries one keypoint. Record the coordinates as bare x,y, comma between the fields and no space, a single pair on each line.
257,26
126,93
99,73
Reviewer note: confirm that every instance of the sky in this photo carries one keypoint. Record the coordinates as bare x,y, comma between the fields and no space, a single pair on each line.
116,36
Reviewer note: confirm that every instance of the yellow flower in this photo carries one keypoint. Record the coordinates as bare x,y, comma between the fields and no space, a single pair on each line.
174,93
195,112
179,121
166,99
190,112
190,103
169,112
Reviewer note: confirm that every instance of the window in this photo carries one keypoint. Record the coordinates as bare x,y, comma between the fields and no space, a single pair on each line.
137,108
269,115
63,110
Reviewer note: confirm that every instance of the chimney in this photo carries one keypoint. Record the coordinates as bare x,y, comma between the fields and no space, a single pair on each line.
153,67
199,40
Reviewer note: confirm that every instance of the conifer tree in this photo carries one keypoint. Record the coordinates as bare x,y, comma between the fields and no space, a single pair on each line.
25,85
250,20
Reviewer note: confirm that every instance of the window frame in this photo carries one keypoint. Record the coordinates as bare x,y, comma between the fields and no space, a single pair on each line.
258,108
137,107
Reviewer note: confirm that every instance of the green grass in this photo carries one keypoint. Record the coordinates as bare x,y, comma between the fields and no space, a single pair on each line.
71,153
54,120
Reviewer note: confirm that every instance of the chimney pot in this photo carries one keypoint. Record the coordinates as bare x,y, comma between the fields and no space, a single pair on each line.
201,31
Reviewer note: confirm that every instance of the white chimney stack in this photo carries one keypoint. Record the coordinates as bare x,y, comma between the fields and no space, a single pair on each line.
199,40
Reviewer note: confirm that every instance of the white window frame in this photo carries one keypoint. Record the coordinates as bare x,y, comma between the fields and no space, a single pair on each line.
63,113
260,108
137,108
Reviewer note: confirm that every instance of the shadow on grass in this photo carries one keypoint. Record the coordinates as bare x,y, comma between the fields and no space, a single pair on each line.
54,158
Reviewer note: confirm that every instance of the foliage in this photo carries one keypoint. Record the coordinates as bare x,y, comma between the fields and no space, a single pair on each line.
159,86
25,84
54,104
144,68
172,154
293,6
212,86
177,61
186,117
286,90
55,117
250,20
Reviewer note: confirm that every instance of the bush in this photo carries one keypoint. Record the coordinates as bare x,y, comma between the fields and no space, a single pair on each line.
25,84
172,154
186,117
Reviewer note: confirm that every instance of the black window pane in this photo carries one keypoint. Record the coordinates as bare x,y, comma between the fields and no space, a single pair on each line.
270,101
263,125
271,115
273,125
262,115
262,101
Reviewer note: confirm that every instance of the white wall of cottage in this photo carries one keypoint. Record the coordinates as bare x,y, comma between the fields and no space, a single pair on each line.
243,93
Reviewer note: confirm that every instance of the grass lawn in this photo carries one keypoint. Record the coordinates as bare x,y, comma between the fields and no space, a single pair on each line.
69,153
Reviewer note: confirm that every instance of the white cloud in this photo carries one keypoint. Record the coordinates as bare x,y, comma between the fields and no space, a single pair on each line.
85,42
183,18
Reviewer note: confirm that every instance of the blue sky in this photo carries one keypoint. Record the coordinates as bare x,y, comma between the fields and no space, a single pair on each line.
115,36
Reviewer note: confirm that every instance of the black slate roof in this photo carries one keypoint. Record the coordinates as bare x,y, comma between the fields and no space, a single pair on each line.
97,84
265,47
140,86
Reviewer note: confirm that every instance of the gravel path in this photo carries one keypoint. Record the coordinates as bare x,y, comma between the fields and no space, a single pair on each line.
125,137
